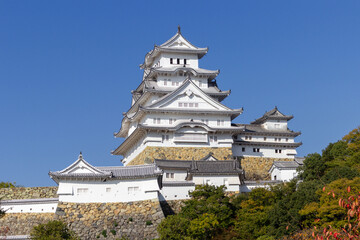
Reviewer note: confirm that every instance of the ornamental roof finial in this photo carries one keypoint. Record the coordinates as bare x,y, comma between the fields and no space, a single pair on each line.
179,29
80,155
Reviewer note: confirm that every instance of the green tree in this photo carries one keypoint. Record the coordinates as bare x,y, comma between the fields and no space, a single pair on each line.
207,213
252,219
7,185
209,199
327,211
53,230
174,227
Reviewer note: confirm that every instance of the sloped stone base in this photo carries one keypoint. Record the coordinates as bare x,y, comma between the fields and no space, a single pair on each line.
133,220
257,168
22,223
180,153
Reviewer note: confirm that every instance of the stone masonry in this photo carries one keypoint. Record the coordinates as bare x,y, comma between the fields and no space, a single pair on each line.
257,168
134,220
28,193
22,223
180,153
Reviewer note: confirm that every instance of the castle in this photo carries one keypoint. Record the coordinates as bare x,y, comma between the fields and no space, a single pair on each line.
178,135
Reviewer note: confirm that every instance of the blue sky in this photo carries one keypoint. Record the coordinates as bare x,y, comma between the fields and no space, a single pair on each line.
67,69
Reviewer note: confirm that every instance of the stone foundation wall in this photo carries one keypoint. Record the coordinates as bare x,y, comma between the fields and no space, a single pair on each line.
171,207
28,193
22,223
134,220
257,168
180,153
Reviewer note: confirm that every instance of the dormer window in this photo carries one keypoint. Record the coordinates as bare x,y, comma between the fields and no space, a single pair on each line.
171,61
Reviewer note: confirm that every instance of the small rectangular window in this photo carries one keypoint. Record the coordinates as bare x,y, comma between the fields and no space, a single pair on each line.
264,138
243,149
108,189
287,139
215,138
191,104
218,122
211,139
171,61
254,149
276,151
180,104
184,61
165,82
173,83
279,150
185,104
154,120
81,191
178,61
158,120
196,105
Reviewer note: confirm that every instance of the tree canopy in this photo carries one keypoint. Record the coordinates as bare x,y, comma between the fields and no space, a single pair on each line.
289,210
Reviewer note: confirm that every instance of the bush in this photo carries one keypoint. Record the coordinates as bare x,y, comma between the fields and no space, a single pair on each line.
53,230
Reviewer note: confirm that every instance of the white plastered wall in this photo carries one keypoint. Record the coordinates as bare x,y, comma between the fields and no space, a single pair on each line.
29,206
109,191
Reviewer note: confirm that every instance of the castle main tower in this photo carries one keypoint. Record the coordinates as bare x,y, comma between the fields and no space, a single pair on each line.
176,112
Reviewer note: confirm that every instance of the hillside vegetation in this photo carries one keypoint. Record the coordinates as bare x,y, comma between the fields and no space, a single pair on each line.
325,194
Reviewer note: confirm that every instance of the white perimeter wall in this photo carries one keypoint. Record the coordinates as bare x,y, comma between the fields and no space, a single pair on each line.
283,175
110,191
176,192
30,205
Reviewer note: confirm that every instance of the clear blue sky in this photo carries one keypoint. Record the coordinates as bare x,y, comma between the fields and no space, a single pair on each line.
67,69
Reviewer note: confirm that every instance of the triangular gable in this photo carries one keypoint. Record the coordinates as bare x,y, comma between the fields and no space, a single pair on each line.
178,41
190,89
81,166
209,157
274,112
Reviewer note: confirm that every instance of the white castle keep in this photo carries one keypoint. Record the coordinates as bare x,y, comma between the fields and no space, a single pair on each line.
178,135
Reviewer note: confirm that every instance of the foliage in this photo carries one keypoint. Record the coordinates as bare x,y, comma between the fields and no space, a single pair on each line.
174,227
53,230
252,219
203,227
327,211
209,199
205,214
7,185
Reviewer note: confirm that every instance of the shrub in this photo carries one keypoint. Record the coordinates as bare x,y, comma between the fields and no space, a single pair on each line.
53,230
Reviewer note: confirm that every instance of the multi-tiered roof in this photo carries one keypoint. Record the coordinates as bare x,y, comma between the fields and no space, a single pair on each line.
151,97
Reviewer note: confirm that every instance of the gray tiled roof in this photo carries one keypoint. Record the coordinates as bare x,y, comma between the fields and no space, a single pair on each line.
258,128
272,114
120,172
300,160
132,171
215,167
269,144
178,184
29,201
286,164
173,164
